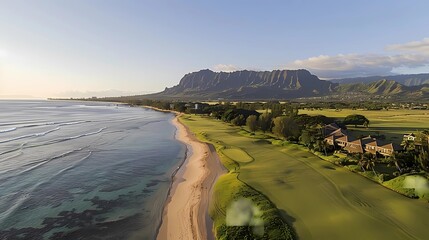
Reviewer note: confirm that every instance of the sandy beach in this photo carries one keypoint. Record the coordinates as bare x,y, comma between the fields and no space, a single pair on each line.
186,212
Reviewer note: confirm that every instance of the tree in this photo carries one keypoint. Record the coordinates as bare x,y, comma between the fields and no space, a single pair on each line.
408,145
265,121
230,114
252,122
276,109
394,158
306,138
285,127
240,120
423,160
367,162
422,139
321,146
356,119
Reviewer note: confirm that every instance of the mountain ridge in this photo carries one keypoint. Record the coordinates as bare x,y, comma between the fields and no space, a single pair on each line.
250,84
384,87
404,79
287,84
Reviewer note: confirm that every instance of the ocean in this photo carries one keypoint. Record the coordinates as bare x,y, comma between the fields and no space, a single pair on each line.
84,170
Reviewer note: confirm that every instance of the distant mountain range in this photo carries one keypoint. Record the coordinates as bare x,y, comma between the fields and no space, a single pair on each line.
406,79
291,84
384,88
277,84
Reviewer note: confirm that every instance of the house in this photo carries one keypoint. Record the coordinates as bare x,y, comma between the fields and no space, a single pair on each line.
388,149
332,138
344,140
371,144
355,146
328,129
340,138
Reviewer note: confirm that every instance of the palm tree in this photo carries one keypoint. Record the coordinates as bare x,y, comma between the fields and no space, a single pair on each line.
325,146
408,145
367,162
396,161
322,145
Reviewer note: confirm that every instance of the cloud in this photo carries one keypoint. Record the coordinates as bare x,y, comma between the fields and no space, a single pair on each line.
419,47
411,55
225,68
351,65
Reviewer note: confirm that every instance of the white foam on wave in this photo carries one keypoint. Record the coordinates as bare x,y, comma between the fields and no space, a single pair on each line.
72,123
11,157
86,134
30,135
14,149
7,130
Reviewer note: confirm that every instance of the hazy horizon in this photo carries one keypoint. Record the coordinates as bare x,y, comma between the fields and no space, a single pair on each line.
90,48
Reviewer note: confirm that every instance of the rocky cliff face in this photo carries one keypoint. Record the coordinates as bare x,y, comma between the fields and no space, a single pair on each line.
281,84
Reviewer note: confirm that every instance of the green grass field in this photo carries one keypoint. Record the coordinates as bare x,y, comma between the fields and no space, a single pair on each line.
393,123
237,155
318,199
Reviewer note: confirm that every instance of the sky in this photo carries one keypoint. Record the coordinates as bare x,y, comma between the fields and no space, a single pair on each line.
74,48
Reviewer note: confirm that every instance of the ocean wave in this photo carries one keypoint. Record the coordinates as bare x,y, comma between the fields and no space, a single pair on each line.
14,149
30,135
45,143
8,130
37,164
54,123
11,157
30,124
78,136
72,123
75,164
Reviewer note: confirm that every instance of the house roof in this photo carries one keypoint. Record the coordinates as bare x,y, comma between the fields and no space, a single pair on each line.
391,146
339,133
330,137
332,125
345,138
368,139
354,146
375,142
328,129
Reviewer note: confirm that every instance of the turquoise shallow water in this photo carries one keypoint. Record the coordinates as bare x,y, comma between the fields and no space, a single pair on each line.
81,170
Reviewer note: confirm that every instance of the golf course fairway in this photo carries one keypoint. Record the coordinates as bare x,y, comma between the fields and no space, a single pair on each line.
318,199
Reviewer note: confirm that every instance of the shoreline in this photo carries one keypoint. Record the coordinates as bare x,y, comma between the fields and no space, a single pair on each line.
185,216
